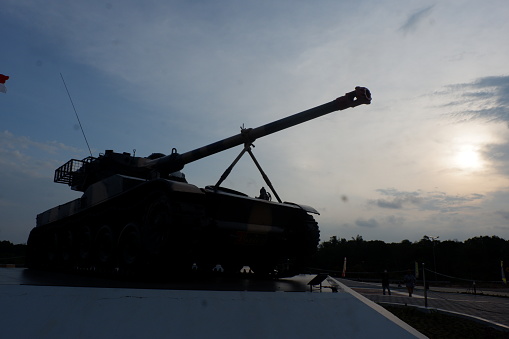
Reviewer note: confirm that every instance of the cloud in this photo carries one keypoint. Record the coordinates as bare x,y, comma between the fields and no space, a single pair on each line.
485,98
415,19
399,198
395,220
426,201
20,154
371,223
503,214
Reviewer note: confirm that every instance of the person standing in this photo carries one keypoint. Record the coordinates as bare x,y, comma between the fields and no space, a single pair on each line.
385,282
409,279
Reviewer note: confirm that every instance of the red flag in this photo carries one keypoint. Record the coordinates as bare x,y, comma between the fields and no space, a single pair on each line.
3,79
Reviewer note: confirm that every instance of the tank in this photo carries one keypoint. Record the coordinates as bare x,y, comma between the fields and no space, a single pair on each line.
140,213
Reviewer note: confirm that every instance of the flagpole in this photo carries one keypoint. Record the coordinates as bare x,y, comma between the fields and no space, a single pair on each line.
424,283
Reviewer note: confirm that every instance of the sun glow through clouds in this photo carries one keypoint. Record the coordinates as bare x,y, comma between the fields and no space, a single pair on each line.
468,158
467,145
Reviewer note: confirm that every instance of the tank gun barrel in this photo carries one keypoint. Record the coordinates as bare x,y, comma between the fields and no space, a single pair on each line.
175,161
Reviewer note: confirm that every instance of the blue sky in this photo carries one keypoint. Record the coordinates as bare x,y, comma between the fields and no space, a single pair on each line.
428,157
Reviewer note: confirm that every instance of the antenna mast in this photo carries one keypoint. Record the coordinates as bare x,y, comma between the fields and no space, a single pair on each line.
75,112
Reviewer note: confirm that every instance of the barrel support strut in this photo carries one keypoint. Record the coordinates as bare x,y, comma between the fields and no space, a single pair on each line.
247,148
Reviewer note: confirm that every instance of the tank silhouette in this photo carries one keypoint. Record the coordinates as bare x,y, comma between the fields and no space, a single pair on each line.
139,213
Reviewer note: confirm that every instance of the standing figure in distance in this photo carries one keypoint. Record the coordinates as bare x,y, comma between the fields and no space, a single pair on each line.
385,282
409,279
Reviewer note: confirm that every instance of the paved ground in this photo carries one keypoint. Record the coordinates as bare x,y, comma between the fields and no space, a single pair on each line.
494,309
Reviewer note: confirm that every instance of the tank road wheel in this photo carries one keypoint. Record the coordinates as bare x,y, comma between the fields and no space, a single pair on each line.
51,245
303,243
84,246
104,246
67,248
312,237
129,248
164,238
35,251
264,270
157,223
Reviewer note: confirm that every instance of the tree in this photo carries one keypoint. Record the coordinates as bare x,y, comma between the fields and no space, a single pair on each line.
476,259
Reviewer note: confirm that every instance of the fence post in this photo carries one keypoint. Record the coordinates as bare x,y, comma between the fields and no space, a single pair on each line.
424,283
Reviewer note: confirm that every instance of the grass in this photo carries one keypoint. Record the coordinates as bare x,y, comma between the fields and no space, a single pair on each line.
436,325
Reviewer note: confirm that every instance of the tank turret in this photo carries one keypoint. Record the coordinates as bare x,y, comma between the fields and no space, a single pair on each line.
139,212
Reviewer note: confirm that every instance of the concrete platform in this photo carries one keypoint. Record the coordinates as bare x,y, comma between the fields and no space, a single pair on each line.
29,311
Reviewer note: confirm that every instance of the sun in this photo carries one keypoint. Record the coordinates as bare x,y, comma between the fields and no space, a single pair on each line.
468,158
465,149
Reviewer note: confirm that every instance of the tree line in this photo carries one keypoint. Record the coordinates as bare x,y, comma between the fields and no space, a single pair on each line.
475,259
11,253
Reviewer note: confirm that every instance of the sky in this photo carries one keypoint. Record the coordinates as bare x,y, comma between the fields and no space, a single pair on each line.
429,156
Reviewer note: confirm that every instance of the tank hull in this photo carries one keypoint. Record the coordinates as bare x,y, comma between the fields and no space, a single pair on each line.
129,225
